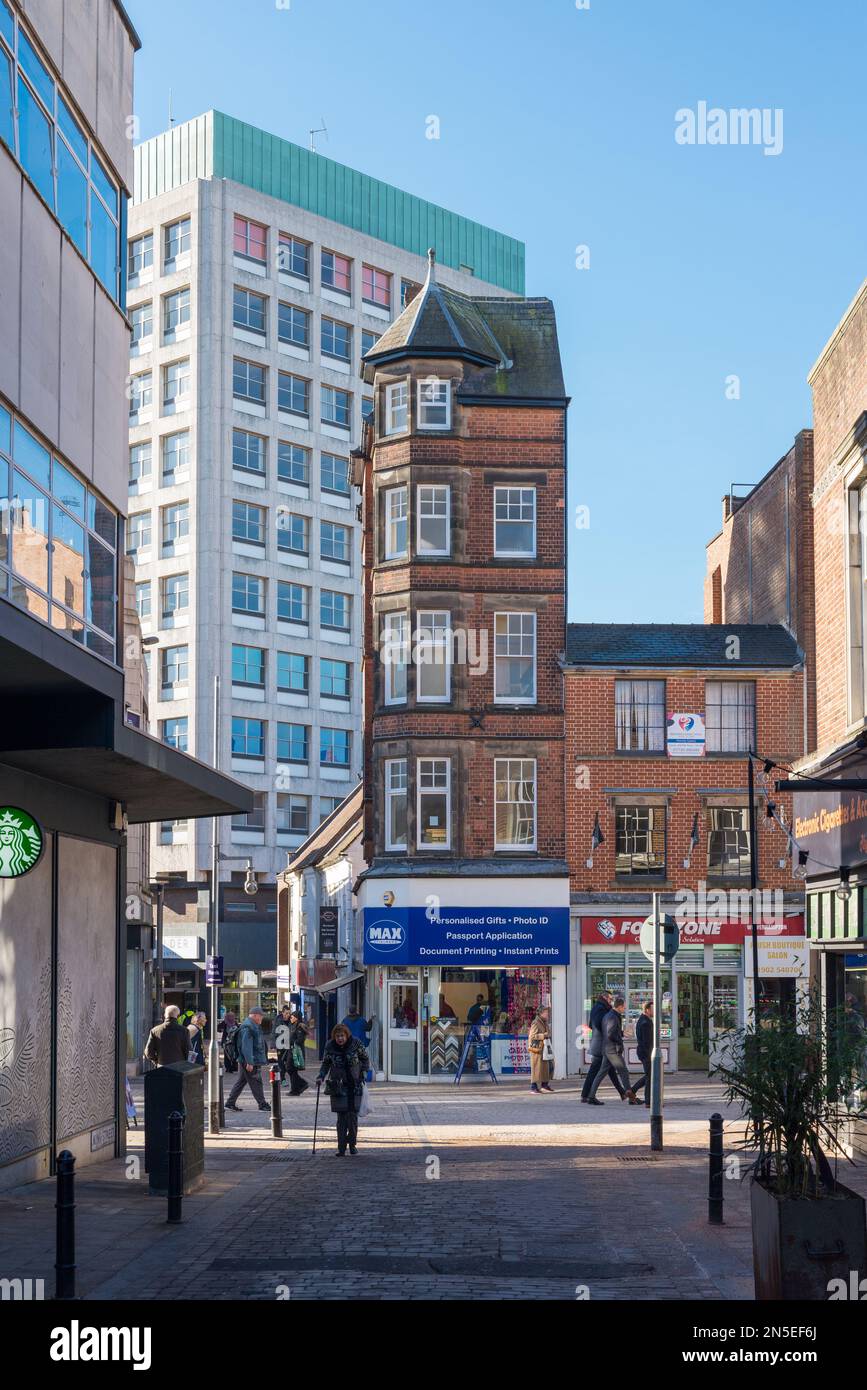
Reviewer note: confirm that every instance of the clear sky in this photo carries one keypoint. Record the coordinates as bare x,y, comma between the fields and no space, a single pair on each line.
557,125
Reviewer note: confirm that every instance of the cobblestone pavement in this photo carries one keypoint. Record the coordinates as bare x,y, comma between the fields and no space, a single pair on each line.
455,1194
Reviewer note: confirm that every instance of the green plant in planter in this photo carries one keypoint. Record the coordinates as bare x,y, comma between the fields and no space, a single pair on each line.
800,1079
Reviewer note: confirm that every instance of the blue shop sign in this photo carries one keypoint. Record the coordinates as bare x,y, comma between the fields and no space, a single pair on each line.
466,936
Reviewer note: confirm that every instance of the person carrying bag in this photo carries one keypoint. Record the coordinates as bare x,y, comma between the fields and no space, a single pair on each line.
541,1052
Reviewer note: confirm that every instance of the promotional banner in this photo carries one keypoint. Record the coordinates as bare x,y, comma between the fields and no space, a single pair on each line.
832,826
601,931
467,936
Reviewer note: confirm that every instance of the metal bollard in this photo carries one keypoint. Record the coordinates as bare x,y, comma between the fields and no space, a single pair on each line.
276,1111
176,1166
64,1261
715,1172
222,1103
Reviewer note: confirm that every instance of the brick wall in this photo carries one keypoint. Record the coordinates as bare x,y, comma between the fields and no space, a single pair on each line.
489,446
839,384
591,757
759,567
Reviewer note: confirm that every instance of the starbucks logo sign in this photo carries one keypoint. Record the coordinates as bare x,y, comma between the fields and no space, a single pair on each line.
21,842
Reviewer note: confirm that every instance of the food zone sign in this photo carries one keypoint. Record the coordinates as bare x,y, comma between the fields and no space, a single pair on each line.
599,931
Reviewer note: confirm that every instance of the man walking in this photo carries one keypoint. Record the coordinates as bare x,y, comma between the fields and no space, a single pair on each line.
252,1054
644,1042
597,1013
169,1041
612,1052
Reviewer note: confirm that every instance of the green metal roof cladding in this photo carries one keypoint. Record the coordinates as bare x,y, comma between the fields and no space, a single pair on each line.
218,146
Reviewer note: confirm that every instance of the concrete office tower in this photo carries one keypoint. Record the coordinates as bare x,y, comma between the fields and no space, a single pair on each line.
259,273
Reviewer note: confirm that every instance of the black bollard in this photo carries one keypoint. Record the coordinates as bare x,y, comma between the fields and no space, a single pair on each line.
64,1263
276,1111
176,1166
715,1172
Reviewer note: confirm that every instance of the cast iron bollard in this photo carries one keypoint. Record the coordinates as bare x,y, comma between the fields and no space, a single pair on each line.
64,1262
276,1111
176,1166
715,1172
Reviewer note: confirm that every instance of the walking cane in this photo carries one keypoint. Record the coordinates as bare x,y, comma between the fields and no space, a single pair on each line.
316,1117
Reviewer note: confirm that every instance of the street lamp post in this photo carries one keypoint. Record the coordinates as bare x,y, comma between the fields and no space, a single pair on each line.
214,942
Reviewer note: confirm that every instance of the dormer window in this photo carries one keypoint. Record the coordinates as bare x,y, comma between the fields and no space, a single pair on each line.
434,404
396,408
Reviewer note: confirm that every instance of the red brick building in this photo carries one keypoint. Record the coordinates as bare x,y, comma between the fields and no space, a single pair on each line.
659,721
760,564
831,826
465,900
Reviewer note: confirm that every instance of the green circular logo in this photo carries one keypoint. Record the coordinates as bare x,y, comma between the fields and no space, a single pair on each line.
21,842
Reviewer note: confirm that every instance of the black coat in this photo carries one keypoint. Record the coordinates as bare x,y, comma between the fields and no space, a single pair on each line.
345,1069
597,1013
644,1037
296,1033
168,1042
612,1032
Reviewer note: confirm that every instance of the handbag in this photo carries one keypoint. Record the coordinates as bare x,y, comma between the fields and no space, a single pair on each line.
547,1050
298,1057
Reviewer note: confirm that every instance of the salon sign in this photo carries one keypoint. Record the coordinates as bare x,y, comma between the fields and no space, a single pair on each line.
21,842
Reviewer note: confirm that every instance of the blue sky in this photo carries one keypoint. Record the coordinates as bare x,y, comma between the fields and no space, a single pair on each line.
557,126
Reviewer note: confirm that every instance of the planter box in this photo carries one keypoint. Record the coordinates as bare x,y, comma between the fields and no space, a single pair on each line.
799,1244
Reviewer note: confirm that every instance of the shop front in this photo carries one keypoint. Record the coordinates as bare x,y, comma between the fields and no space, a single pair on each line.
456,985
706,990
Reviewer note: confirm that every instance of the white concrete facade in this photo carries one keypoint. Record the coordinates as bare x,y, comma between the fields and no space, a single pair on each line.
209,628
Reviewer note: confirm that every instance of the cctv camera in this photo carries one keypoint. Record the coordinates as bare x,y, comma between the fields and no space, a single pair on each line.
251,887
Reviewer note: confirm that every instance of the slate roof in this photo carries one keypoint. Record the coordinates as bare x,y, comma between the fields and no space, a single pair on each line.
510,345
680,644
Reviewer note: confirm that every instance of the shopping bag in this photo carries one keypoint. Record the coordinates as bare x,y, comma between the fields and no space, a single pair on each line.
547,1050
364,1106
298,1058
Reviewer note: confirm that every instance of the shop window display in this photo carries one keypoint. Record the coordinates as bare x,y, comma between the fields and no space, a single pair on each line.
503,1003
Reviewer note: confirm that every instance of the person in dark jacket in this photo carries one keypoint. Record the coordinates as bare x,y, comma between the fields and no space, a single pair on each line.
252,1055
644,1041
612,1052
597,1013
196,1030
289,1034
344,1063
169,1041
228,1023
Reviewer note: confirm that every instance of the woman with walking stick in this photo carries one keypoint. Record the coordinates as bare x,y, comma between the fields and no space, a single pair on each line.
344,1064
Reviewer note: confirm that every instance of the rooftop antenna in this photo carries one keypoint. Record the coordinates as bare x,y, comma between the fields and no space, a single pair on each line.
320,130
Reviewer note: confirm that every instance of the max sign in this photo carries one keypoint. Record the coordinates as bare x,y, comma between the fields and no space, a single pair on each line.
468,936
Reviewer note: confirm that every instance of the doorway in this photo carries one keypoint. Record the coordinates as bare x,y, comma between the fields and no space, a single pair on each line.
693,1042
402,1045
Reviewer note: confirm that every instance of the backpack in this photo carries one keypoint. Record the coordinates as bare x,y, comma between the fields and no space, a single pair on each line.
232,1044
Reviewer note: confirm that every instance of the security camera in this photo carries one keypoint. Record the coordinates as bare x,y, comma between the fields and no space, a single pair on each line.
251,886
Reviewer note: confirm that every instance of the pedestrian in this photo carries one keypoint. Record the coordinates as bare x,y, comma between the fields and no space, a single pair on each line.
196,1030
228,1023
597,1013
541,1056
344,1064
612,1053
169,1041
359,1026
252,1054
281,1040
292,1032
644,1042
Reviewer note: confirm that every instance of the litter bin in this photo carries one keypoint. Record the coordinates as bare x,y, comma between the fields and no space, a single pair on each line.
179,1086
